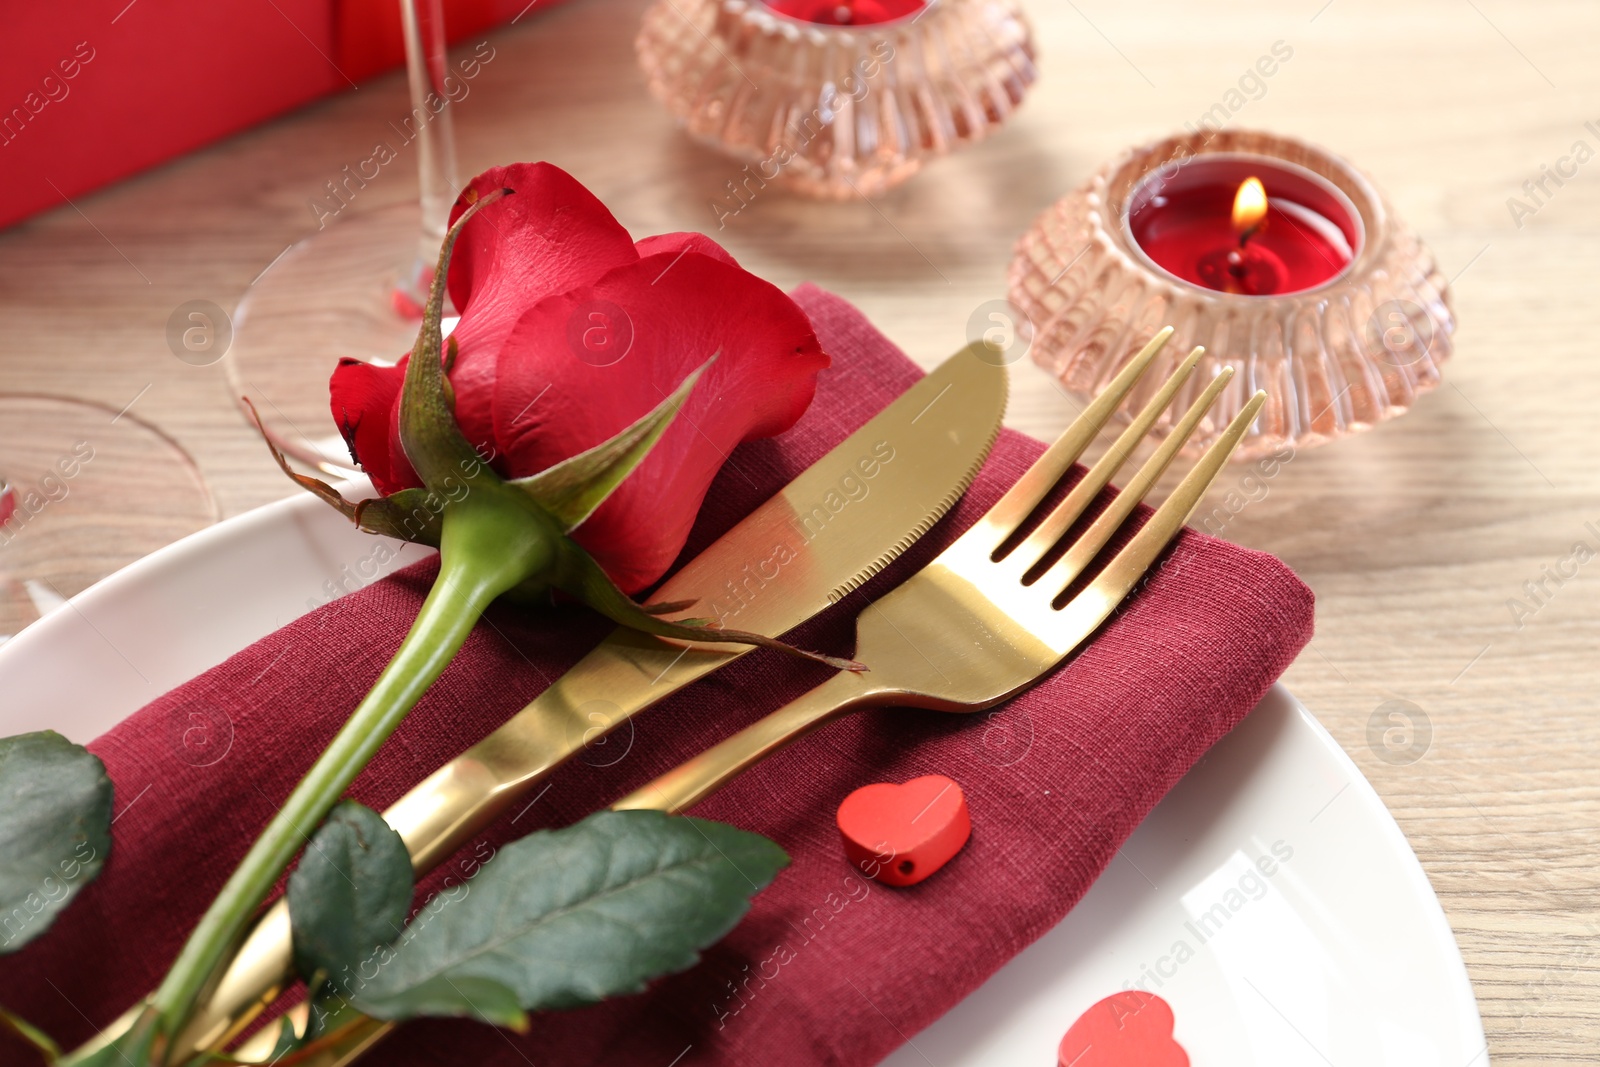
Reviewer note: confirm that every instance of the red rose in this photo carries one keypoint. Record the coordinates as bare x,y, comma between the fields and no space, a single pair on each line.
570,332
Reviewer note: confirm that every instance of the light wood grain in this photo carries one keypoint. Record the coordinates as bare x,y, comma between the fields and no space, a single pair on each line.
1415,537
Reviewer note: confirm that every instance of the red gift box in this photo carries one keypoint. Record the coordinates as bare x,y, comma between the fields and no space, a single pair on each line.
98,90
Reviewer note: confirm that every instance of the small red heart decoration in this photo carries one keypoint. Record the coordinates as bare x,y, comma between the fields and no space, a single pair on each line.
1129,1029
901,834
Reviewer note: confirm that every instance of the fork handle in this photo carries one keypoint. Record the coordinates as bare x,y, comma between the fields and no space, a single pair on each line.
691,782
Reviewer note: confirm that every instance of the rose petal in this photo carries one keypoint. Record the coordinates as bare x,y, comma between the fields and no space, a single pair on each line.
365,402
549,236
683,242
551,403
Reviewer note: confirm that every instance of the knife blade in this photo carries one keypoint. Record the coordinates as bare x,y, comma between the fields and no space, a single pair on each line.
823,535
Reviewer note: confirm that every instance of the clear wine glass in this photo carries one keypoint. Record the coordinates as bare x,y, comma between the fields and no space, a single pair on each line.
355,287
84,491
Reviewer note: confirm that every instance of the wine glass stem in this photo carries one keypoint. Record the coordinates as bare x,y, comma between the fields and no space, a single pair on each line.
423,24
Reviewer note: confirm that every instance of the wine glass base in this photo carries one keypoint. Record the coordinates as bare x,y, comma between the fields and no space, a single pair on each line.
350,291
92,490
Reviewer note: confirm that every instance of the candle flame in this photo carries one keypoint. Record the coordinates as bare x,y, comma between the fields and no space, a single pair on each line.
1249,207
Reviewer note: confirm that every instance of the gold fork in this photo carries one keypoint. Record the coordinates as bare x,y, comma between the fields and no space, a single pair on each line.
974,626
986,620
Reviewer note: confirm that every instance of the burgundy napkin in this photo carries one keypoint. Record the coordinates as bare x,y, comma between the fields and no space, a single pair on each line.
827,968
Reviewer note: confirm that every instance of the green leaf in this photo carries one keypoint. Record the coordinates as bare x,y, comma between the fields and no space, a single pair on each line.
573,488
55,830
569,917
350,894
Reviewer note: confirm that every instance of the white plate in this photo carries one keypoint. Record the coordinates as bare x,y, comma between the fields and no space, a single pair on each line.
1341,956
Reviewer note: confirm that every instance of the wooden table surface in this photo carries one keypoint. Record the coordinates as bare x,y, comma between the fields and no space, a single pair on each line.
1417,537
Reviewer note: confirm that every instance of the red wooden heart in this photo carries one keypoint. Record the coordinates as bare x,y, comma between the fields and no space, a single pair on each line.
900,834
1129,1029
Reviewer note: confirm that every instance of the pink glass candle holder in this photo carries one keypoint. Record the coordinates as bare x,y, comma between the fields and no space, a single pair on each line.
836,98
1316,292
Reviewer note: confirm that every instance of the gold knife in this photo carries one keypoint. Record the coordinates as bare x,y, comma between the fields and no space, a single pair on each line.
836,525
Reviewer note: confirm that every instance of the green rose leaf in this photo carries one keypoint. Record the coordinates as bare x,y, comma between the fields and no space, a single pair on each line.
55,830
569,917
350,894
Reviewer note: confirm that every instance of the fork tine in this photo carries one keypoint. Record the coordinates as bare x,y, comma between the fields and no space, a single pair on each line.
1060,520
1085,548
1035,484
1081,615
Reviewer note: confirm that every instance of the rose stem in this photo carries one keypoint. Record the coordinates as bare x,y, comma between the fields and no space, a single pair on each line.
485,551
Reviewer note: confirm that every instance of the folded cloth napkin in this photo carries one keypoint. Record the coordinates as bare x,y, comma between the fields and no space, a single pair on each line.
828,968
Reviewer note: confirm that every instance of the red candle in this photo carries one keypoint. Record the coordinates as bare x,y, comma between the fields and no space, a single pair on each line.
847,12
1247,225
